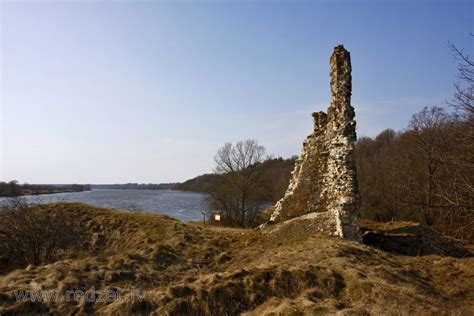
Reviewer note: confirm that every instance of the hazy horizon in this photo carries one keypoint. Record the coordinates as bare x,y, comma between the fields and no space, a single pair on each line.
146,92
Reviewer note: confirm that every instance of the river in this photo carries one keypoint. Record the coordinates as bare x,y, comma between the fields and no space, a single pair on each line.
185,206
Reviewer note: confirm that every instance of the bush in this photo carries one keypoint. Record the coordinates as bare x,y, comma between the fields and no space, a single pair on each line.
30,234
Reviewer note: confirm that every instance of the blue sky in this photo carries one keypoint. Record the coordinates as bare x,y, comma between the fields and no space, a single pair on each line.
147,91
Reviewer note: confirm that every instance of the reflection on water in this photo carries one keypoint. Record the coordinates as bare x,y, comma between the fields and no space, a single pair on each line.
185,206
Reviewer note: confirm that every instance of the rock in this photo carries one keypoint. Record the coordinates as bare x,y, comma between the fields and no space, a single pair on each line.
324,178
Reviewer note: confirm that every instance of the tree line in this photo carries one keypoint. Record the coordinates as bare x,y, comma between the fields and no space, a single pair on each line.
426,172
135,186
13,189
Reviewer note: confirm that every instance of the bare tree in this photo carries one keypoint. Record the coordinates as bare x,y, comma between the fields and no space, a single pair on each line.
463,99
434,171
429,129
235,192
424,173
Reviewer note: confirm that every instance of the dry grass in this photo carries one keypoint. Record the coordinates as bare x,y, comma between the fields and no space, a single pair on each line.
190,269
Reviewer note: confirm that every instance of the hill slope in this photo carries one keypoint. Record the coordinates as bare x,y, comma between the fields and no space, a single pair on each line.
190,269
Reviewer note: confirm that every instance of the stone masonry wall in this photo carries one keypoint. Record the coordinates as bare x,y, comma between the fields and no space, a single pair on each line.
324,177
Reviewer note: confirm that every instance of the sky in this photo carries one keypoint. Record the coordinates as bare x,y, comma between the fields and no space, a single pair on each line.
147,91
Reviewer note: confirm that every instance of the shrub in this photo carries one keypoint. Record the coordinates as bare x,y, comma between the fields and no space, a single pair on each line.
30,234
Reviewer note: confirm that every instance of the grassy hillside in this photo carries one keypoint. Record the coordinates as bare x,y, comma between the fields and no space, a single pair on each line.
190,269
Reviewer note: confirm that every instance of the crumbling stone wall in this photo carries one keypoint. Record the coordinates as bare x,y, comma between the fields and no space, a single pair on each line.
324,178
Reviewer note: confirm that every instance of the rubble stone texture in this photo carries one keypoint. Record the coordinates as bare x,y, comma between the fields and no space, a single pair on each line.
324,177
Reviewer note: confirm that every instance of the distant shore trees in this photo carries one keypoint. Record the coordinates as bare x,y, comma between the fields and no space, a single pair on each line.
10,189
13,189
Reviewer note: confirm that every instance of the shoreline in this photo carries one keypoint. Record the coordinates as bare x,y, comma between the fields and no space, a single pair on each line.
43,193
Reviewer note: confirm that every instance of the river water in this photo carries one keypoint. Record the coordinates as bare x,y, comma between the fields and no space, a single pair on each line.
185,206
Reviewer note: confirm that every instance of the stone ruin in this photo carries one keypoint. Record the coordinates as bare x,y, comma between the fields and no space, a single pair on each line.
324,178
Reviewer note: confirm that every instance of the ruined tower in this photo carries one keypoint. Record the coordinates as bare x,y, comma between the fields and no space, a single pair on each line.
324,178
